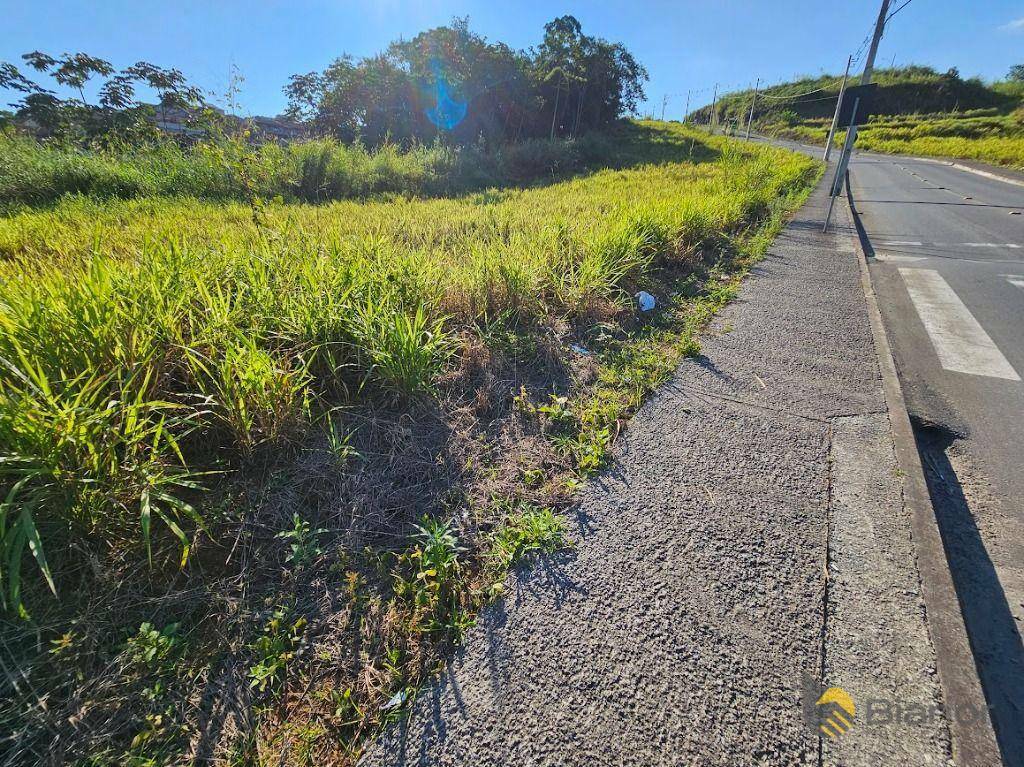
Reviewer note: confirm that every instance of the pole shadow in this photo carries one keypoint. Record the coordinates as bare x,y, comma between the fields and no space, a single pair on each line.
991,629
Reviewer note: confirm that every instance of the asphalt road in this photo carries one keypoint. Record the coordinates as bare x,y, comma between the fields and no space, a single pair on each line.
946,253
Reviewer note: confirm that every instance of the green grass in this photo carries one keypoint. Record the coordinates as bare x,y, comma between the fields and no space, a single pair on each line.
312,171
167,362
992,138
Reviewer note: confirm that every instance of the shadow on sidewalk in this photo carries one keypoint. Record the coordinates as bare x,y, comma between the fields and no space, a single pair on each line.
995,640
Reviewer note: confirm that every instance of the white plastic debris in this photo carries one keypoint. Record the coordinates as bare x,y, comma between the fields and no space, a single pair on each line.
645,301
396,700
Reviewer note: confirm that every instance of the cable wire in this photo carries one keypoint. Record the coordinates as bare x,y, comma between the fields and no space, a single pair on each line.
902,6
792,95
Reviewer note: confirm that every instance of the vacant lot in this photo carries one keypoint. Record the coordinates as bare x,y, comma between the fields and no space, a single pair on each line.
262,461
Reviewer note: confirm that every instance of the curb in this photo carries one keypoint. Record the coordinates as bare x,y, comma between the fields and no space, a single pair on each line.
973,738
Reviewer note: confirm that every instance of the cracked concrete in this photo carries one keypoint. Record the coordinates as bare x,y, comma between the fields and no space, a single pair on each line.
750,535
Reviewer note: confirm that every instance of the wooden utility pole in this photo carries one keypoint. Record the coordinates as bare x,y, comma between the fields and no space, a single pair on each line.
750,117
664,101
686,111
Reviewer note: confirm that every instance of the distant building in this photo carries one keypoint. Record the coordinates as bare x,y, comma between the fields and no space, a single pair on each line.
184,122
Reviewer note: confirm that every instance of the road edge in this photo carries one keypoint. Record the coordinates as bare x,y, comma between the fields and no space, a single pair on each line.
960,165
974,742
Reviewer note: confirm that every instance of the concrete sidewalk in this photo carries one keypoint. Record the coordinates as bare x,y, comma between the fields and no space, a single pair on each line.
750,537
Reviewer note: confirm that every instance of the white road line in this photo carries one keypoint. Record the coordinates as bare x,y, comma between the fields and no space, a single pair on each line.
1014,280
893,257
961,344
918,243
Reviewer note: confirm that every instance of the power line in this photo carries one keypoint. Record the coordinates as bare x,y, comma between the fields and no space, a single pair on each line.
794,95
902,6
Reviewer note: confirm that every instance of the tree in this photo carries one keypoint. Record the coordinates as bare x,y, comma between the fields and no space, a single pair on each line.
452,83
1016,73
118,109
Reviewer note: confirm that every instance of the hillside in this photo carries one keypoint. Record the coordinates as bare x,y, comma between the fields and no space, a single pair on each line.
917,111
905,90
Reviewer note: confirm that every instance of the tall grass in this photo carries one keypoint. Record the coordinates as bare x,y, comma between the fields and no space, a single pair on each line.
311,171
145,343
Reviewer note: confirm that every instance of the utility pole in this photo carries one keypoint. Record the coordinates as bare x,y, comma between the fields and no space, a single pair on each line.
835,117
750,117
851,133
713,117
686,112
664,101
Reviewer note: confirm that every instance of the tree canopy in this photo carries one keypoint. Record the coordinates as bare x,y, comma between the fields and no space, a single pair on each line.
451,81
117,110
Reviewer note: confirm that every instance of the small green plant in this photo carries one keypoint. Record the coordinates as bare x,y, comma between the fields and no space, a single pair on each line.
302,541
527,530
338,441
405,351
259,397
429,576
533,477
274,649
558,411
347,713
153,648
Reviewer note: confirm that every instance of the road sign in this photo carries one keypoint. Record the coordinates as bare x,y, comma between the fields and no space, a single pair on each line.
865,107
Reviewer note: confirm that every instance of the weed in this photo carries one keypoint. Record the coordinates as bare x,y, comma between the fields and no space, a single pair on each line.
151,647
339,442
274,649
302,540
527,530
428,576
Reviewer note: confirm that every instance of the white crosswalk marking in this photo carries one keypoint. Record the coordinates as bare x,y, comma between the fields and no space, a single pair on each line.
960,342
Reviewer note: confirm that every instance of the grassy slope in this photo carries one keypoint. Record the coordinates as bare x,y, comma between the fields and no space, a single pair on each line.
918,111
349,371
996,139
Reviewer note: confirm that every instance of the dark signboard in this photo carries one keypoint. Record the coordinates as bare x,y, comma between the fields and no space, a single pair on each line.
864,97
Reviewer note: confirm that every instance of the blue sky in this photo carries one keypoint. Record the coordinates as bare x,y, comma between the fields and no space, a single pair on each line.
685,45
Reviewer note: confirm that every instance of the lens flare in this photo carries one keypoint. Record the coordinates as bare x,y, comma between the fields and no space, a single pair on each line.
448,111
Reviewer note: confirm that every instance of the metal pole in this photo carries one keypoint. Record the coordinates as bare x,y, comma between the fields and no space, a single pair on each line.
664,101
835,117
750,117
844,161
686,112
851,134
713,118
